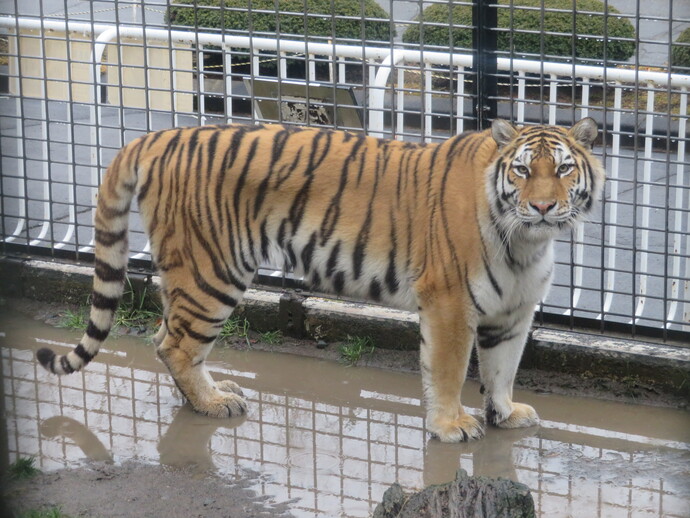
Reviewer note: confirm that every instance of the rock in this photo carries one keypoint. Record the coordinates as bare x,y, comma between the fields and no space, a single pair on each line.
466,497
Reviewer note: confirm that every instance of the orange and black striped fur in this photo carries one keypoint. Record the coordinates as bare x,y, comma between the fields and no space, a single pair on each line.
461,231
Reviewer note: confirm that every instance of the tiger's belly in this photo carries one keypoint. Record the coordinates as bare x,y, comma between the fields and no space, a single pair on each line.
336,268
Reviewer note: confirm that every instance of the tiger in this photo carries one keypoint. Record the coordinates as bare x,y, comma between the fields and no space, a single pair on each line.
460,231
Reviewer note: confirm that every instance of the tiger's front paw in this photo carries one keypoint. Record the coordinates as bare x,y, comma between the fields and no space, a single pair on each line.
458,429
521,416
222,404
229,386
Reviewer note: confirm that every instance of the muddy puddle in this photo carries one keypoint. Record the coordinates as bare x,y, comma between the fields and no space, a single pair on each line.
330,439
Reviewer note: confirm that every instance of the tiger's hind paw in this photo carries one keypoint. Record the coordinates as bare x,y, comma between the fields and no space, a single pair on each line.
229,386
460,429
222,404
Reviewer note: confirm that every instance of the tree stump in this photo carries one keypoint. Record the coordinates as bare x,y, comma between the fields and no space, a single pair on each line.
464,497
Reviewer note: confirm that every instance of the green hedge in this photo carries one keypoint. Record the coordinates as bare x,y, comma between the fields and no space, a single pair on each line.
589,26
291,19
680,55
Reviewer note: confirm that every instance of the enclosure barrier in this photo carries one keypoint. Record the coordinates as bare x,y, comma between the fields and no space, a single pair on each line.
70,109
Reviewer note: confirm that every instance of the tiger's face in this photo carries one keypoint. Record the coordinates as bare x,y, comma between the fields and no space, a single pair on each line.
545,178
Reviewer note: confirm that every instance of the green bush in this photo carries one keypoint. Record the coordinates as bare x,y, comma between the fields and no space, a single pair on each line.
291,19
590,29
680,55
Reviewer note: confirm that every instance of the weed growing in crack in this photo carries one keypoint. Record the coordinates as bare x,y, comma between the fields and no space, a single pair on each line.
23,468
354,348
272,337
75,320
132,311
52,512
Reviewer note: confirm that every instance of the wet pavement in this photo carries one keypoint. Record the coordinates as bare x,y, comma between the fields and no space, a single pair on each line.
331,439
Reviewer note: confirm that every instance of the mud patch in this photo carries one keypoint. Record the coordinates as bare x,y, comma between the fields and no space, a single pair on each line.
137,490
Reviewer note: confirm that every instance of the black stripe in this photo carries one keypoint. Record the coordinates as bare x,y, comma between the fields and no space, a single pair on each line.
339,282
375,290
66,365
243,176
94,332
199,337
492,279
179,292
361,244
213,292
264,240
85,355
315,280
392,281
491,336
225,275
100,301
201,316
472,297
332,259
107,273
107,238
292,258
308,252
299,205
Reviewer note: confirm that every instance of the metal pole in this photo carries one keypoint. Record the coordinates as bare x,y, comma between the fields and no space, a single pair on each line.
484,21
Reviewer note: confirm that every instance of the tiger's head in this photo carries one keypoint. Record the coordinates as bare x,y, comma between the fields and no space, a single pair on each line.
545,178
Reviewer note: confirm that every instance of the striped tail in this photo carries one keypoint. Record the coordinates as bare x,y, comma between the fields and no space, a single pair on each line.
111,229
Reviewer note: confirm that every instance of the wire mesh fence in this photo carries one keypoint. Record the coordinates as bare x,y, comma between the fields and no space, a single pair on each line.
81,79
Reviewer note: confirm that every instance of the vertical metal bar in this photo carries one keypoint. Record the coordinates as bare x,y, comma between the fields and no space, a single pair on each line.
400,104
521,97
484,20
678,224
553,98
646,200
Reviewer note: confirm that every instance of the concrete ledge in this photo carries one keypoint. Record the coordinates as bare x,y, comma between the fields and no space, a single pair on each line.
665,368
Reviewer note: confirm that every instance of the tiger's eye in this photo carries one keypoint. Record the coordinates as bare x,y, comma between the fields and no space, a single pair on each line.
563,168
521,169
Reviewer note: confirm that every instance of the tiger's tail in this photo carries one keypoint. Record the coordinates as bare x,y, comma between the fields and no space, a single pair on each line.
111,251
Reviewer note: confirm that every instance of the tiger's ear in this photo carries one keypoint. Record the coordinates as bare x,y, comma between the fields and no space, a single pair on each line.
585,132
503,132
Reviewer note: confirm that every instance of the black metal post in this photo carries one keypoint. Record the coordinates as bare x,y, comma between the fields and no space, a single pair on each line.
484,20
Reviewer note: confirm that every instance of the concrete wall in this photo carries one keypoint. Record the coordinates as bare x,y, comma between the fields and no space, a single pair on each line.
137,76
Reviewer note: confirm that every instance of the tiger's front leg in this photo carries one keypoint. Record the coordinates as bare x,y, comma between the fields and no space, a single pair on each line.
447,340
499,347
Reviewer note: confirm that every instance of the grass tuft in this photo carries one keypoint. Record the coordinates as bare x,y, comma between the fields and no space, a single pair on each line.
75,320
132,311
354,348
23,468
272,337
52,512
235,326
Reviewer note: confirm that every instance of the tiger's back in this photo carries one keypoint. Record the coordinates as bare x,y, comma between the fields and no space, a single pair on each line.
348,212
435,227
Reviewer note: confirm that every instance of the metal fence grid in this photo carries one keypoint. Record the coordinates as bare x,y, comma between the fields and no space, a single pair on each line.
83,78
332,459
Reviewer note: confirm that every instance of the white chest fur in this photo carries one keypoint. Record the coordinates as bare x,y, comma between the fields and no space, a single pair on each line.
514,278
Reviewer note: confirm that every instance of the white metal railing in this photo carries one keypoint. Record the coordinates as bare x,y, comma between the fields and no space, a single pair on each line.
386,71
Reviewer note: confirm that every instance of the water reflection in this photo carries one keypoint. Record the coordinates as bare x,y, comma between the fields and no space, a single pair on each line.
332,439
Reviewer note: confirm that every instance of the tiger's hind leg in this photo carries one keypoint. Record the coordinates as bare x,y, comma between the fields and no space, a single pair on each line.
194,316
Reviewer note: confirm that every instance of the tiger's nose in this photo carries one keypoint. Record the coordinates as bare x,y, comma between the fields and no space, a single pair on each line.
543,206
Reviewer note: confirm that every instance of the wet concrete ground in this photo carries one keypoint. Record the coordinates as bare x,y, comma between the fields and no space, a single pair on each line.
324,438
